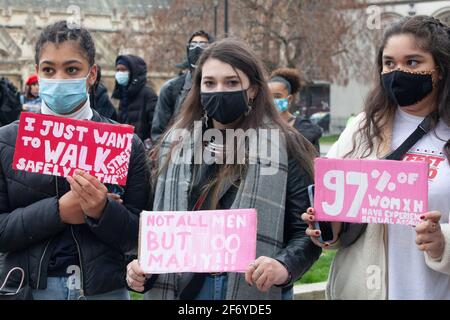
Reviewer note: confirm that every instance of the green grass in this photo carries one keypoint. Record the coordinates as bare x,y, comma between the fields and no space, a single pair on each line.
329,139
319,271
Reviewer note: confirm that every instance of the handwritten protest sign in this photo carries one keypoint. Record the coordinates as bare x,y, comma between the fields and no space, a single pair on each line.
197,241
57,146
370,191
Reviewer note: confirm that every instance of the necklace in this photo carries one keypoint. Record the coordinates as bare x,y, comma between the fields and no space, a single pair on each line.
214,153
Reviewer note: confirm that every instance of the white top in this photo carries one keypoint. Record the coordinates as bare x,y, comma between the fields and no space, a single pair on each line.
409,276
85,113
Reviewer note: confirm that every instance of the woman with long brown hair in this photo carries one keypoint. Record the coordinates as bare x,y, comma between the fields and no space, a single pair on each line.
230,92
413,83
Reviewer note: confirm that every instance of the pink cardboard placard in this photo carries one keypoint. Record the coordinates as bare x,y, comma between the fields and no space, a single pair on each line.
370,191
197,241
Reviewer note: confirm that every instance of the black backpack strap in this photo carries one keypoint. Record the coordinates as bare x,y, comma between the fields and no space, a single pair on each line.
423,128
351,232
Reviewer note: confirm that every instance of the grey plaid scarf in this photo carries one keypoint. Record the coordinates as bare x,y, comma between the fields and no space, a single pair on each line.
265,193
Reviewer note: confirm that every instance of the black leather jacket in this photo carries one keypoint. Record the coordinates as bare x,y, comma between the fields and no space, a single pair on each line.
29,221
299,252
309,130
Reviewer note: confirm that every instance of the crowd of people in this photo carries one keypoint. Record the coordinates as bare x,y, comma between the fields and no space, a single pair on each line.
50,224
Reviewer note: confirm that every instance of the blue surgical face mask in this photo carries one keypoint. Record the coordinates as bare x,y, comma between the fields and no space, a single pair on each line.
282,104
63,96
122,77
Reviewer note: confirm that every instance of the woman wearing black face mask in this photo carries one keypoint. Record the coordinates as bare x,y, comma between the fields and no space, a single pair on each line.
400,262
230,92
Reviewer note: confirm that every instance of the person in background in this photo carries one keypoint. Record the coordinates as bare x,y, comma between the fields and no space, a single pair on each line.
99,99
284,85
10,106
174,91
137,99
30,100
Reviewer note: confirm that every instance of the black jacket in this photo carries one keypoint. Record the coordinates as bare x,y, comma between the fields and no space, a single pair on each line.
309,130
171,96
29,220
101,103
299,252
141,100
10,106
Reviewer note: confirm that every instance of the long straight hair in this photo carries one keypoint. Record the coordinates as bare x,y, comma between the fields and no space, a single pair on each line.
432,36
239,56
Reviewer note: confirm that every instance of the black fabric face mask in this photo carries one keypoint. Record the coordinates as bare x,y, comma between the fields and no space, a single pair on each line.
225,107
406,89
193,55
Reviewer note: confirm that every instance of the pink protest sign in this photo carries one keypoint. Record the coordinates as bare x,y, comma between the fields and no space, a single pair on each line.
370,191
197,241
57,146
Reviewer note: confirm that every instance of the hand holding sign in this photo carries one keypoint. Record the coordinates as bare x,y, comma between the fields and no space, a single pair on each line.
91,192
70,210
429,235
314,234
136,277
266,272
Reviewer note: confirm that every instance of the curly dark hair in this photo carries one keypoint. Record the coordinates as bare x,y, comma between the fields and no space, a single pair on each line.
290,75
